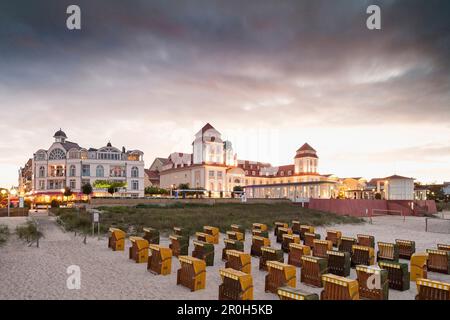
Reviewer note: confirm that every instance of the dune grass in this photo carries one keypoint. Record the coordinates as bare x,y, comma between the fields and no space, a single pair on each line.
194,216
4,234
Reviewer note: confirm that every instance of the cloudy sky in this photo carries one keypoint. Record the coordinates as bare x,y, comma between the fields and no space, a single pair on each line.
270,75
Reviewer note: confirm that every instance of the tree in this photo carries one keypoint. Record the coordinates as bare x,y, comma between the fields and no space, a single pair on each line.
111,186
67,193
155,190
378,196
87,189
183,186
237,190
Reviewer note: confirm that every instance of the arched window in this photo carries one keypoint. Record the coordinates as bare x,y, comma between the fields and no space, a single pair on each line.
100,171
57,154
134,172
72,171
41,172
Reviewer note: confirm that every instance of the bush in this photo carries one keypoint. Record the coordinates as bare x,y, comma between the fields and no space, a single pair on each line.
28,231
79,221
4,234
54,204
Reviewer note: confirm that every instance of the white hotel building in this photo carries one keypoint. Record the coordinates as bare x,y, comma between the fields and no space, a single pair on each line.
66,164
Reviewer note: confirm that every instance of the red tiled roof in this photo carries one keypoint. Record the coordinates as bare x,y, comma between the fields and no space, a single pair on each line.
306,147
152,174
303,155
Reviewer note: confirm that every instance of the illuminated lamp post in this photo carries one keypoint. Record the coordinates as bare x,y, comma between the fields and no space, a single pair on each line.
10,192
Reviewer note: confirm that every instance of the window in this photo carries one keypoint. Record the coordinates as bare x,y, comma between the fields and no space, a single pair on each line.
85,182
56,171
117,171
211,174
42,184
282,173
219,174
57,154
246,172
100,171
237,181
72,184
41,172
74,155
253,173
134,172
289,173
72,171
86,170
40,156
134,185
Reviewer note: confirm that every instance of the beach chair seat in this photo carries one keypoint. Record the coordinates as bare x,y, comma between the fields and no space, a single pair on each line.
406,248
279,225
365,240
347,244
387,251
362,255
257,243
151,235
160,260
138,250
312,270
418,266
306,228
373,282
204,251
432,290
239,260
231,245
214,232
236,285
309,239
287,240
339,288
296,252
116,239
339,263
438,261
321,247
289,293
269,254
238,228
279,275
179,245
295,226
398,274
334,236
281,231
192,273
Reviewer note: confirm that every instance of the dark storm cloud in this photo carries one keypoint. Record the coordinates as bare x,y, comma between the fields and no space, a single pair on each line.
256,45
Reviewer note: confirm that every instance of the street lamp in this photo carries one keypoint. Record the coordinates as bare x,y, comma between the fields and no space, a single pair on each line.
10,192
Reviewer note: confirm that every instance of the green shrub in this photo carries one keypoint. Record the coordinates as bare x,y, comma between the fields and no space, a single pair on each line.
28,231
4,234
54,204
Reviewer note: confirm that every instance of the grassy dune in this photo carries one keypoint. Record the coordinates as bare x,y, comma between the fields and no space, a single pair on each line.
193,217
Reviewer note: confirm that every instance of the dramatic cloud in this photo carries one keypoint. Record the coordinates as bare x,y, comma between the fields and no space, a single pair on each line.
147,74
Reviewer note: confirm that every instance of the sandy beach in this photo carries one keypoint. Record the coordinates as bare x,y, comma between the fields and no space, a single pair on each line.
40,273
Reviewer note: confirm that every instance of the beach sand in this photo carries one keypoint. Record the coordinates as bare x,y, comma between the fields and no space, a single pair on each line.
40,273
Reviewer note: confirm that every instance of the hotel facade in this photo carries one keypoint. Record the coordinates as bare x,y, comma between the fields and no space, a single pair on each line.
214,166
66,164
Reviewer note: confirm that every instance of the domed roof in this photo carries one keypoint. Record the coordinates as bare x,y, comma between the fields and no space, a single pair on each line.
60,133
306,147
109,144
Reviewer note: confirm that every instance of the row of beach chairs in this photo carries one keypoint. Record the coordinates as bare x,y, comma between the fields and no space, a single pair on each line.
324,263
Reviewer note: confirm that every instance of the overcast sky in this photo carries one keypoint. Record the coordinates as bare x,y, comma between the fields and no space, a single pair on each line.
269,75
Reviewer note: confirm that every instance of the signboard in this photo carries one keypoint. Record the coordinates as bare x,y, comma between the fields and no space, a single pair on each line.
21,202
95,217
